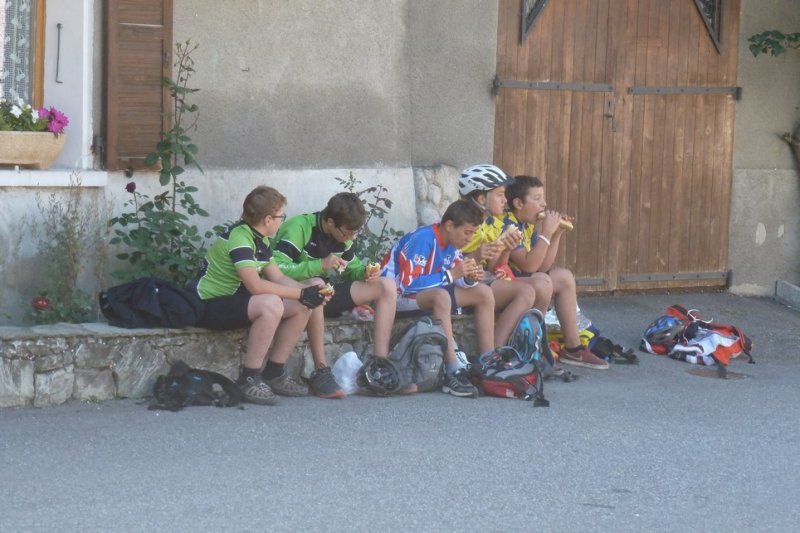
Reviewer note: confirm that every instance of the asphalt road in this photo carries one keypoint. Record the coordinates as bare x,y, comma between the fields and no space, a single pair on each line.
636,448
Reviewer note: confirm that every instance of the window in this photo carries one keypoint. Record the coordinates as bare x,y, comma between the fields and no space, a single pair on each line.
20,49
711,12
531,9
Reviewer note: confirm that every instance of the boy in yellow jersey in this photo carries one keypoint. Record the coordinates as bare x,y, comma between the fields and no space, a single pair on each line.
485,186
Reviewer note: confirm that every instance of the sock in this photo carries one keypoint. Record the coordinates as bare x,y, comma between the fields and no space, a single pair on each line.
247,373
272,370
576,349
453,367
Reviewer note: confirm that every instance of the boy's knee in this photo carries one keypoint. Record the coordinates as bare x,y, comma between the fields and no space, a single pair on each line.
267,306
485,294
441,300
527,294
388,289
562,278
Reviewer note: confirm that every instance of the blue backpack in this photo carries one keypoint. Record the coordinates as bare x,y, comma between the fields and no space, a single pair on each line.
529,339
517,370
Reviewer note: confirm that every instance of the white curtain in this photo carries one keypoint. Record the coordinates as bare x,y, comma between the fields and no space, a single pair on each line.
16,47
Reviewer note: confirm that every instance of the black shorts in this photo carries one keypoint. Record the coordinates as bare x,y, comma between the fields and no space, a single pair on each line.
226,312
341,301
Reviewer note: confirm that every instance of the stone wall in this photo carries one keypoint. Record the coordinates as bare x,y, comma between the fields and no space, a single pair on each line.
435,188
48,365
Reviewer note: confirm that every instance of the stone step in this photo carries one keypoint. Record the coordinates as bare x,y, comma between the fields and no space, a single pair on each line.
50,364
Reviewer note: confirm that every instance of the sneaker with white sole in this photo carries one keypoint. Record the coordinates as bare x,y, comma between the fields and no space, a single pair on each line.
583,357
459,384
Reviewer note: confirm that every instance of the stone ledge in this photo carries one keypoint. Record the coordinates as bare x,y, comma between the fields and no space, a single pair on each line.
787,293
48,365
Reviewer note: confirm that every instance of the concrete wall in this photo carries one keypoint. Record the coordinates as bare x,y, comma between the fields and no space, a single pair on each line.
294,94
765,205
342,83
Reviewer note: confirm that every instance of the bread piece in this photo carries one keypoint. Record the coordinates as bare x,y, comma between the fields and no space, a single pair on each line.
563,223
372,268
327,290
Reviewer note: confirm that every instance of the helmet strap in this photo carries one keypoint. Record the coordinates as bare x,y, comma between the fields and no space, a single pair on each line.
482,206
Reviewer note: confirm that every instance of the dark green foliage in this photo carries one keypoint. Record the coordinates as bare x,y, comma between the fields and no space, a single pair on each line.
160,239
774,42
371,245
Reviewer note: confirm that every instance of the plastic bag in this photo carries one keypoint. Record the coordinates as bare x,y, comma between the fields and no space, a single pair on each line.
553,325
345,370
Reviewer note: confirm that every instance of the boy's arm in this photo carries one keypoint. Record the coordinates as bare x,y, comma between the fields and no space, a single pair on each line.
288,252
552,250
539,258
355,269
256,285
501,259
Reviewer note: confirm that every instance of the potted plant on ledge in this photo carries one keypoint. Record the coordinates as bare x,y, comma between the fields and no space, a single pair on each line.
30,137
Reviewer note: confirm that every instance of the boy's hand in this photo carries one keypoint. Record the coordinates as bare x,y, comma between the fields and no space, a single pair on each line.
489,251
548,224
510,238
472,270
311,296
334,262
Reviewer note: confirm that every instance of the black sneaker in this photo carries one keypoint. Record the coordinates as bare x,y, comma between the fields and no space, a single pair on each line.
254,390
322,384
458,384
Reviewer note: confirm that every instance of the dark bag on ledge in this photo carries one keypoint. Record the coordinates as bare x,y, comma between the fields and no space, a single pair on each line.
150,303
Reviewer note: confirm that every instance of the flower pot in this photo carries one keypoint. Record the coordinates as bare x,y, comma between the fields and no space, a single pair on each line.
30,149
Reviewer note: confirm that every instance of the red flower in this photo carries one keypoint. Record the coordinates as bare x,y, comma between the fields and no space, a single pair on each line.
131,187
40,303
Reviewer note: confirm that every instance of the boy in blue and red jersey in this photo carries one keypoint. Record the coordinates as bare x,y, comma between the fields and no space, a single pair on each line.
431,274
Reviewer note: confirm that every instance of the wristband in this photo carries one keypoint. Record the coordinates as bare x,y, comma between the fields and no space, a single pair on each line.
545,239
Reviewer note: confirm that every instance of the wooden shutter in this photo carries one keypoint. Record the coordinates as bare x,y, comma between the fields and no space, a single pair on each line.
139,56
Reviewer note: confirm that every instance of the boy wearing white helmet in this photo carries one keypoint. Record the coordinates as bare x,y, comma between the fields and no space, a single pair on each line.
485,185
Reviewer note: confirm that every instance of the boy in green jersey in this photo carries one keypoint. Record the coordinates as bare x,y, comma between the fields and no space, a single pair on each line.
241,286
320,244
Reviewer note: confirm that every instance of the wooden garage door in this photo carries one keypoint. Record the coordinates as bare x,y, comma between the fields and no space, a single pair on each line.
625,110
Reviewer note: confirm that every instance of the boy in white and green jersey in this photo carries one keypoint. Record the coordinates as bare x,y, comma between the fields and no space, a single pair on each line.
241,286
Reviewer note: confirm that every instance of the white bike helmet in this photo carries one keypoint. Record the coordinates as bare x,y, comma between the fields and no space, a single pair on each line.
482,178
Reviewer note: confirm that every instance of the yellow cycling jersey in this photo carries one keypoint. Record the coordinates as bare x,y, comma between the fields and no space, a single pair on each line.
489,231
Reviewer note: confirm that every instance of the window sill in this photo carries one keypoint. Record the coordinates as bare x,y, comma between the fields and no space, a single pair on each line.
18,177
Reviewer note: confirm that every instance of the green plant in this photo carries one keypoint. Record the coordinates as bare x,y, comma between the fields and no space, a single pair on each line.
774,42
67,232
372,245
158,233
777,43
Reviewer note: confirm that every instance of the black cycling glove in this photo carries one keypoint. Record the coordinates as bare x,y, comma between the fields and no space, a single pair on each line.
311,297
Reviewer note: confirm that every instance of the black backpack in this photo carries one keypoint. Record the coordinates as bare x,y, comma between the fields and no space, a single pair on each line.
184,386
150,303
